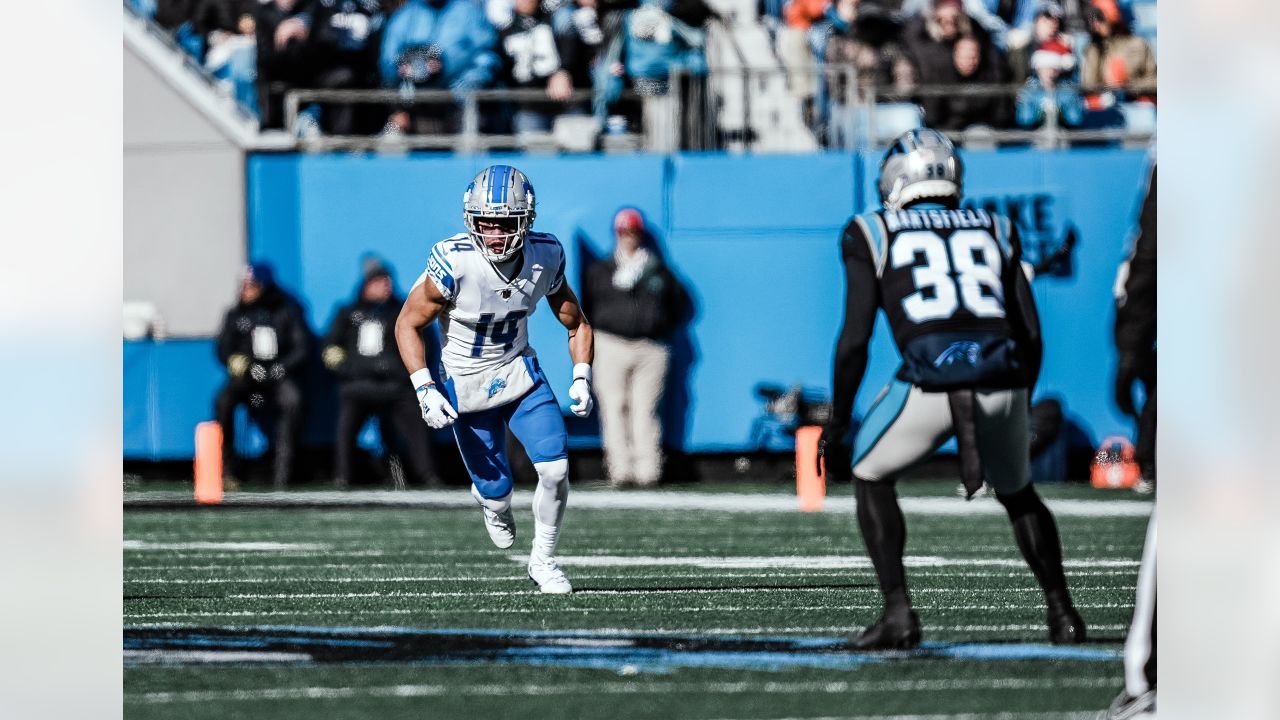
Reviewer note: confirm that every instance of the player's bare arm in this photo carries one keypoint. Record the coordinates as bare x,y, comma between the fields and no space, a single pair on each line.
421,308
569,311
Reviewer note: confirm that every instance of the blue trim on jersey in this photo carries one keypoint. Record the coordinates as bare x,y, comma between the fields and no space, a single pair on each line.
873,226
444,275
1003,234
534,419
880,418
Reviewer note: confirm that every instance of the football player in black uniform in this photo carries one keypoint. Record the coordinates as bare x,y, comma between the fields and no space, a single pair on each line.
953,288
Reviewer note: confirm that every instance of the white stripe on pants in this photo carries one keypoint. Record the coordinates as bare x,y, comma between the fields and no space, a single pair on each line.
629,379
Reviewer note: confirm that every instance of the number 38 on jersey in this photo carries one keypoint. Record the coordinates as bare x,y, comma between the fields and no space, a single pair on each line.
962,270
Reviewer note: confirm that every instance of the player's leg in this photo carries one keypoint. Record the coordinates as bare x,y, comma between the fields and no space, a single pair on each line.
1003,441
647,383
538,425
612,368
905,426
1140,645
482,442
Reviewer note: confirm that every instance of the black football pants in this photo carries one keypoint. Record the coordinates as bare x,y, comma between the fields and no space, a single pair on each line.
277,404
397,411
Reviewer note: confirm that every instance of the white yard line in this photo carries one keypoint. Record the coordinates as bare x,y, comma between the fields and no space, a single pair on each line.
655,500
832,575
627,688
257,546
180,657
628,592
698,631
503,609
803,562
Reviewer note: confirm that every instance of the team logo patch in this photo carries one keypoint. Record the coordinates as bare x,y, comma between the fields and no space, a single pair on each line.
965,351
496,386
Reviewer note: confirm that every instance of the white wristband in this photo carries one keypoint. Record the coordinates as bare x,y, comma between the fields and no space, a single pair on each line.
582,370
420,378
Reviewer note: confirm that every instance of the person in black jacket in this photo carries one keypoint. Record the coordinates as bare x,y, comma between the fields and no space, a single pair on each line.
263,344
285,54
361,348
634,302
1135,334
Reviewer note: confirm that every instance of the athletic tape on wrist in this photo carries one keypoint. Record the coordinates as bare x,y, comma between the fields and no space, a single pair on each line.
583,371
421,379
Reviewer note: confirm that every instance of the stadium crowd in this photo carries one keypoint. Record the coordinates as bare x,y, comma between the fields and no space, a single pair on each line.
1079,63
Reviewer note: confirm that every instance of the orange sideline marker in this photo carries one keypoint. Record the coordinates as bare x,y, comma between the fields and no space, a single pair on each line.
208,463
811,488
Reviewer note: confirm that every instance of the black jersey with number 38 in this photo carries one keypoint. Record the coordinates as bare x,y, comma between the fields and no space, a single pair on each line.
953,289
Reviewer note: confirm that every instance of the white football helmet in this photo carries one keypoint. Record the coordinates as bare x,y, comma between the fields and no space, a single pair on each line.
921,163
499,192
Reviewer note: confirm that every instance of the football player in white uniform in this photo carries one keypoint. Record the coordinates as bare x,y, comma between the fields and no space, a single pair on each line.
482,285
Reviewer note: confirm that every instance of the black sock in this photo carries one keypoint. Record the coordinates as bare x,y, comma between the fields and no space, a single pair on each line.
885,534
1037,536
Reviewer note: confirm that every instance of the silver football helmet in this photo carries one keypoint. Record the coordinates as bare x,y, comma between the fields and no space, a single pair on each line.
499,192
921,163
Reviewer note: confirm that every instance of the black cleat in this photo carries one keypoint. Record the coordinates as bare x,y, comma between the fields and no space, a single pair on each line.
1066,627
900,632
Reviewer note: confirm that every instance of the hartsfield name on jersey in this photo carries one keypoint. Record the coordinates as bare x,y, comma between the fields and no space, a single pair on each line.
936,219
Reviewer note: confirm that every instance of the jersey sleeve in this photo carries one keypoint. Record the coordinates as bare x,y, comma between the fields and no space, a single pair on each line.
557,280
862,298
442,268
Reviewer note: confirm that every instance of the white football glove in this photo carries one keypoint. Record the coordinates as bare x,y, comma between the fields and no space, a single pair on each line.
436,410
580,391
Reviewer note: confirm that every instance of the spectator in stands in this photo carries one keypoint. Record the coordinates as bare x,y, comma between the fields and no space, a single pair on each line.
793,46
580,19
1116,60
231,52
284,59
344,41
958,111
1007,22
361,348
656,38
1046,27
1050,92
930,39
635,302
263,344
533,55
441,45
863,37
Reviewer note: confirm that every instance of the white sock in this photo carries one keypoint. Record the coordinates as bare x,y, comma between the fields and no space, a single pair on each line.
498,505
549,501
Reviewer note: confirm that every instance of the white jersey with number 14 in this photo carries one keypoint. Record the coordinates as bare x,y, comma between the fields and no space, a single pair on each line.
486,323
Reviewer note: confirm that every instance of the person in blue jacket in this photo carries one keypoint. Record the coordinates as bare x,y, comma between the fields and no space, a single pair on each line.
439,45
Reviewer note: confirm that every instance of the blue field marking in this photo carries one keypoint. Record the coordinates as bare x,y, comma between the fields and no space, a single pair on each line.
578,649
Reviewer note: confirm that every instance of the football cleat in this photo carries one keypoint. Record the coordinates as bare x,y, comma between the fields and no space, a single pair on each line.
548,576
899,632
1128,707
501,525
1066,627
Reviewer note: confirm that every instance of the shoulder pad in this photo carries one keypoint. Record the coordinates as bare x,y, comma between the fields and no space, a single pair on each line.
876,235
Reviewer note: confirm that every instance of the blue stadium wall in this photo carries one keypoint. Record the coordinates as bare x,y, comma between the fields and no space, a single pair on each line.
755,239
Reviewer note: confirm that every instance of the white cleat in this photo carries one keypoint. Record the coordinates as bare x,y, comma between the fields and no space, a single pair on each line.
548,576
501,526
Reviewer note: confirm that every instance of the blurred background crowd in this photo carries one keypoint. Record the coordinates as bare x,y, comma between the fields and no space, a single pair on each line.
612,64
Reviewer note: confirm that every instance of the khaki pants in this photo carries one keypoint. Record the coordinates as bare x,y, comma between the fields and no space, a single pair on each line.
629,378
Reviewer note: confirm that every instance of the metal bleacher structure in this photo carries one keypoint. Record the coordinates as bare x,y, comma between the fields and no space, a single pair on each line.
748,102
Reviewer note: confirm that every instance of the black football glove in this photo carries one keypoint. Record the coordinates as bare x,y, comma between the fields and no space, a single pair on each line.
833,449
